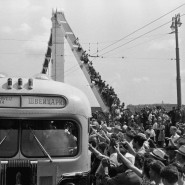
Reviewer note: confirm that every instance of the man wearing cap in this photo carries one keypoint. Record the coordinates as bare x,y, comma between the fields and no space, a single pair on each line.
159,155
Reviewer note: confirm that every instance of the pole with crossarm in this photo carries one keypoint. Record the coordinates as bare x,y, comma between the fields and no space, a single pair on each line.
175,24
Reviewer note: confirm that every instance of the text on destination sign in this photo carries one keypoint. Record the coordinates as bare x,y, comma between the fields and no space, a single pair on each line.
32,101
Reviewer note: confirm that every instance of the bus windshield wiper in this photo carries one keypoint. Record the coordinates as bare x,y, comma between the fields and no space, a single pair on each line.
4,138
41,146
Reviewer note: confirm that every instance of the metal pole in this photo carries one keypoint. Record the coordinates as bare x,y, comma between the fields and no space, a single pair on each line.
178,66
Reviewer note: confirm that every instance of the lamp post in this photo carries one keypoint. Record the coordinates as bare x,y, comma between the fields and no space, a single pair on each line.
175,24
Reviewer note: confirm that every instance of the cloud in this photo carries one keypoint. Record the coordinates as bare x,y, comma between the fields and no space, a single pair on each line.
46,23
24,28
116,80
6,29
162,44
21,6
15,5
37,44
140,80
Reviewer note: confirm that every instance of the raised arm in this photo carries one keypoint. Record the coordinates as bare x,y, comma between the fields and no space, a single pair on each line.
96,152
128,163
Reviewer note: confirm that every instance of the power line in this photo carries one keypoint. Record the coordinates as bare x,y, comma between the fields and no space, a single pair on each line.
72,68
26,40
69,72
67,55
18,53
143,42
137,58
75,68
22,40
141,28
110,41
122,57
136,38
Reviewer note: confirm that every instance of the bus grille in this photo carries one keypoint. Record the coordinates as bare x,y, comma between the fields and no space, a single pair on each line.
10,169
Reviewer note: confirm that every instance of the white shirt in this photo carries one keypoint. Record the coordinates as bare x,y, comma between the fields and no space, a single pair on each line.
155,125
173,138
130,157
113,158
151,132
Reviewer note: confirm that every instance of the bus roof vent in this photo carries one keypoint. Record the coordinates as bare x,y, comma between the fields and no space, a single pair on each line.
9,83
20,83
30,83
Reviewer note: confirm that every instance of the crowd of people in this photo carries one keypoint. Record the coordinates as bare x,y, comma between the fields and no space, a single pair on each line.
145,147
132,148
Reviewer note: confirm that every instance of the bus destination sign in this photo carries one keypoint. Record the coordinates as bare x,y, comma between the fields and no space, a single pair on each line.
45,102
32,101
9,101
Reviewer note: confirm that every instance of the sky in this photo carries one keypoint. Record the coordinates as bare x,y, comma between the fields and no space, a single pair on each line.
132,37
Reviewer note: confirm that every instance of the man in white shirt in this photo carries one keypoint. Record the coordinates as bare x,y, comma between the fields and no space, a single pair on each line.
151,133
174,136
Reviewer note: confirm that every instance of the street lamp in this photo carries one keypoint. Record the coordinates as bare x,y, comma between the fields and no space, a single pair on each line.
175,24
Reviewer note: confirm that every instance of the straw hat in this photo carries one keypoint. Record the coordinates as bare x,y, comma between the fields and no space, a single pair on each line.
181,150
158,154
142,136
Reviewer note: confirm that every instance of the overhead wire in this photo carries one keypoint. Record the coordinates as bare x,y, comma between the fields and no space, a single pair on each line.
137,58
144,42
73,68
99,42
102,55
21,40
162,35
16,53
141,28
113,42
136,38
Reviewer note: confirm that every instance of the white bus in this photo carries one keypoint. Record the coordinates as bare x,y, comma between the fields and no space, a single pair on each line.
44,127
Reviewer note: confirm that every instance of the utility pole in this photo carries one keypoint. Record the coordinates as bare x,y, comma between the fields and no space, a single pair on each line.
175,24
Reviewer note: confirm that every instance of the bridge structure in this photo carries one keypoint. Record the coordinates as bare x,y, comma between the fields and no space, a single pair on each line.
54,61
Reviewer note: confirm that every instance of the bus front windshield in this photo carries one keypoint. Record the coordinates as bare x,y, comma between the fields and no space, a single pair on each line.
57,138
38,138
